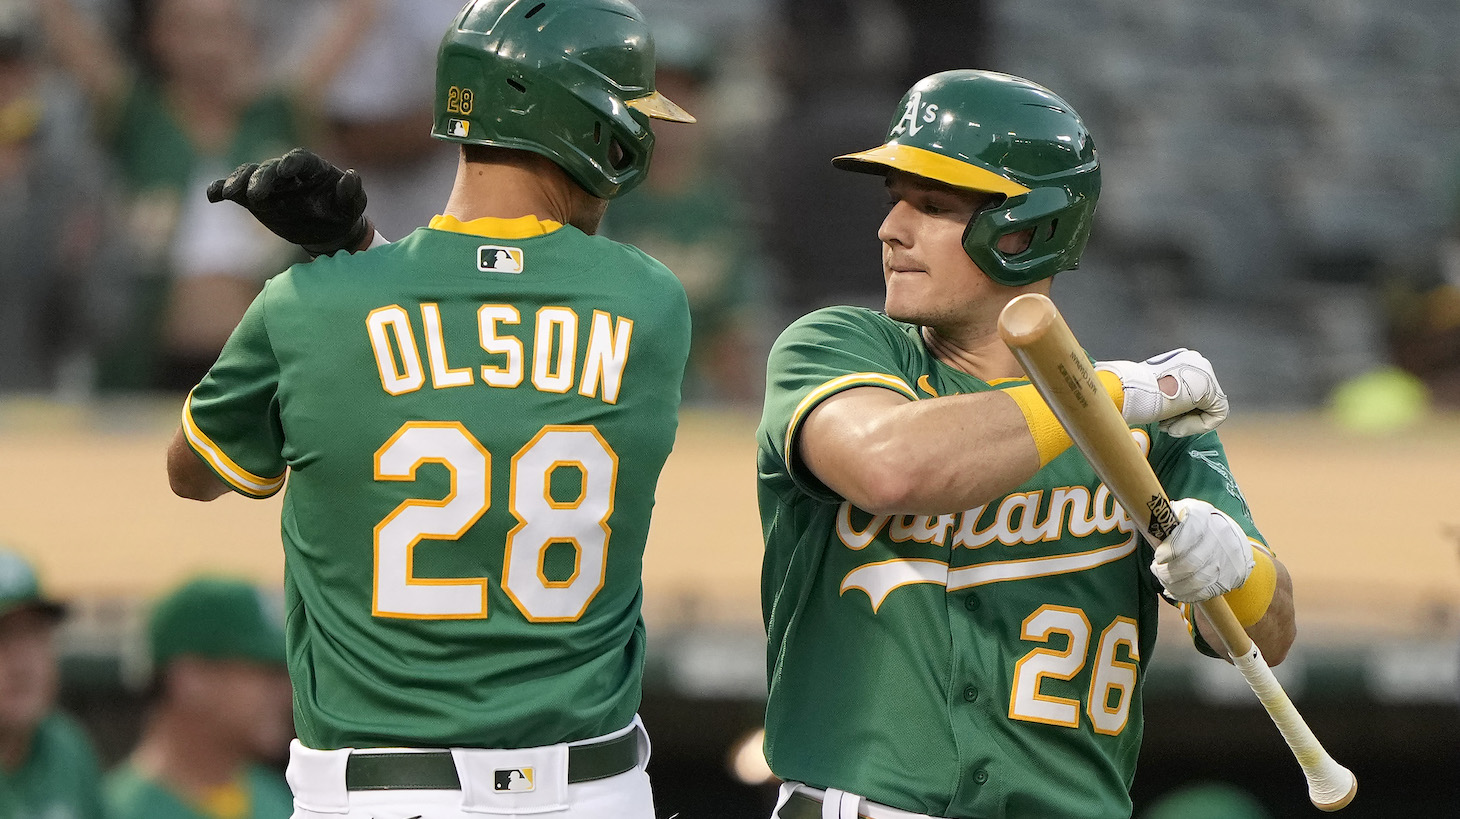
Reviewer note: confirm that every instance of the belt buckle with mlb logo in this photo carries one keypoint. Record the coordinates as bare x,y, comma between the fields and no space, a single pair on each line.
499,259
512,780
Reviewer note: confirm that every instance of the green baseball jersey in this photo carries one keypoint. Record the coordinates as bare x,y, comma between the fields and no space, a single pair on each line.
473,421
259,794
59,778
983,663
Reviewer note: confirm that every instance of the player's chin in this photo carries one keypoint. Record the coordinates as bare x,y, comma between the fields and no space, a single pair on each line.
905,303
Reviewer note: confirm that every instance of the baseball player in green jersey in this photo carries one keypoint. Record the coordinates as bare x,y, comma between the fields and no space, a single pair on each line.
48,767
959,614
219,710
472,421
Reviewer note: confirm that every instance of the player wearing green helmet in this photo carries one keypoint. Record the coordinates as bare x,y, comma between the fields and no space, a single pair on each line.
959,615
1038,157
572,81
468,418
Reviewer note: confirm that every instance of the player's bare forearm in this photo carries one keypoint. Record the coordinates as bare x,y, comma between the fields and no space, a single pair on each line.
889,455
1275,632
187,474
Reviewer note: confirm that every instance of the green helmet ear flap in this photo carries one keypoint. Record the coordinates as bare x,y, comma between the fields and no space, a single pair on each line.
1059,224
622,141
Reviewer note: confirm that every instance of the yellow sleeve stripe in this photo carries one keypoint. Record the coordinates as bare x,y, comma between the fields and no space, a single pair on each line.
236,476
838,384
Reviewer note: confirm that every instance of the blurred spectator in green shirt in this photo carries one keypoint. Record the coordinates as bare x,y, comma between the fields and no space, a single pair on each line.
220,711
48,767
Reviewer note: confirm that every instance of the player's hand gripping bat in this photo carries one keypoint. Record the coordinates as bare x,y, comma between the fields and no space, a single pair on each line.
1060,370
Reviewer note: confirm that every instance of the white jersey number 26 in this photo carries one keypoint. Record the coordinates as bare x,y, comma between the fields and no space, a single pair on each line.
542,521
1112,684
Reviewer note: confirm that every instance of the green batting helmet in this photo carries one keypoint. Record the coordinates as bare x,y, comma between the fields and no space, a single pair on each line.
995,133
572,80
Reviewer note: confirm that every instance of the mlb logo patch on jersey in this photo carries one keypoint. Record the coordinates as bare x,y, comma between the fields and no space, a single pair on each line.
497,259
513,780
458,128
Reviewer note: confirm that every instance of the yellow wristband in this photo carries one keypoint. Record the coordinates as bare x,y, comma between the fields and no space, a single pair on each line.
1111,382
1249,601
1049,437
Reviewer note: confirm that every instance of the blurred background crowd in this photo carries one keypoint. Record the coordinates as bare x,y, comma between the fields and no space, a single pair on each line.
1281,192
1280,178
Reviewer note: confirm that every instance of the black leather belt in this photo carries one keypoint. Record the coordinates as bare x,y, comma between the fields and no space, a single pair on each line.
436,770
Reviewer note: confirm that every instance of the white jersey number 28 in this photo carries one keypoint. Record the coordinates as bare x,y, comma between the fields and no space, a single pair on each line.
542,521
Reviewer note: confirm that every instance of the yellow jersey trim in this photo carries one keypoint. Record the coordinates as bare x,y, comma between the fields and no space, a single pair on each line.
234,475
838,384
490,227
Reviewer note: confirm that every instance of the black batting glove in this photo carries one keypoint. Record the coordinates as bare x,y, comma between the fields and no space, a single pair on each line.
302,198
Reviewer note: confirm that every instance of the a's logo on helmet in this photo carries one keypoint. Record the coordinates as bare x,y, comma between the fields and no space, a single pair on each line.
458,128
915,116
497,259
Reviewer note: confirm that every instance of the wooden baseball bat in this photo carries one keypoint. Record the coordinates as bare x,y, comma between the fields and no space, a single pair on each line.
1057,365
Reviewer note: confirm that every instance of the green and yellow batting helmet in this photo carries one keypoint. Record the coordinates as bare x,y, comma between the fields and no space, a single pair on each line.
995,133
572,80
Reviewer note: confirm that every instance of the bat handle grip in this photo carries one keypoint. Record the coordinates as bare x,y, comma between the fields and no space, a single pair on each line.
1331,786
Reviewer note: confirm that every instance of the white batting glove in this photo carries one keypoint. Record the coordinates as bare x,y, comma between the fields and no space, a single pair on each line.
1197,404
1206,555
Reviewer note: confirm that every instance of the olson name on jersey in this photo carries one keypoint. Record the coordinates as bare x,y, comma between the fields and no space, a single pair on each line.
555,365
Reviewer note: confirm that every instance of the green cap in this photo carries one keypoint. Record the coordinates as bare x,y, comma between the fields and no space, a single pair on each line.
20,588
218,618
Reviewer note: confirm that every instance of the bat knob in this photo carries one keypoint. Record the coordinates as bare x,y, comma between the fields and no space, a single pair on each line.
1333,787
